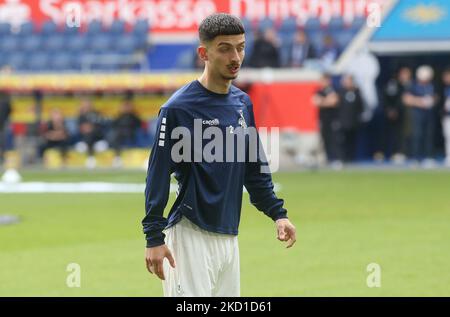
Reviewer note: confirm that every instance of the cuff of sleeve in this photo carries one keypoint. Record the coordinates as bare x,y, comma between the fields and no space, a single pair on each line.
155,241
282,214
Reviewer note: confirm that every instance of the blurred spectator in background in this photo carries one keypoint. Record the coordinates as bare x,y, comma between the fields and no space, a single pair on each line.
329,53
265,52
350,110
445,107
421,98
5,111
55,134
124,130
300,50
397,119
326,99
91,129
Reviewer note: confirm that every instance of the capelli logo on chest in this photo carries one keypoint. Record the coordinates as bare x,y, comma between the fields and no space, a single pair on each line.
211,122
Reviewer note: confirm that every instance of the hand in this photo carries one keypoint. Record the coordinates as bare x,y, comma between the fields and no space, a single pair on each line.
286,231
154,258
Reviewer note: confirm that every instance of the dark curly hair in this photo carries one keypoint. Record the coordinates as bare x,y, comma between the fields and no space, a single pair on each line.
220,24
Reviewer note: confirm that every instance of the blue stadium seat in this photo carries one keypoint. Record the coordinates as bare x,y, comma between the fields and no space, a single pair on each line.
5,29
248,25
249,41
77,61
38,62
62,62
55,42
313,24
32,43
77,44
3,59
265,24
17,60
100,44
343,39
141,27
288,26
336,24
286,37
141,41
358,23
26,29
49,28
95,27
9,43
70,31
126,44
117,27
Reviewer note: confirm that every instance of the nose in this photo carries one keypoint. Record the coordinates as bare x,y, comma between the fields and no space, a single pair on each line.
235,58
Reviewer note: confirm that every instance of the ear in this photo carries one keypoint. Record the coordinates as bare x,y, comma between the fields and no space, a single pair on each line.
202,53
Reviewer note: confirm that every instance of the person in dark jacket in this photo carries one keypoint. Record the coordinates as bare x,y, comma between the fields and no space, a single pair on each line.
350,110
265,51
396,116
91,128
326,99
300,50
124,129
421,98
5,111
55,134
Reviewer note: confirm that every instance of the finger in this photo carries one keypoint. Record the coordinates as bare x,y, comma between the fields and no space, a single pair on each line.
286,235
293,234
171,259
290,243
148,265
159,270
281,234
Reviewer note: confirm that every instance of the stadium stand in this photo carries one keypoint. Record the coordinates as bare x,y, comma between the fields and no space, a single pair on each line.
116,47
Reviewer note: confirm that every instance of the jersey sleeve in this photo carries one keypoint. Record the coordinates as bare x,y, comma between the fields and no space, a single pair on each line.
157,188
259,183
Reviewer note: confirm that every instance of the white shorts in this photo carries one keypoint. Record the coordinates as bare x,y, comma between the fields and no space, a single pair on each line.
206,263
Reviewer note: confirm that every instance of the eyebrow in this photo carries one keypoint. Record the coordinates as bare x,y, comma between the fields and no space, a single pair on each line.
225,43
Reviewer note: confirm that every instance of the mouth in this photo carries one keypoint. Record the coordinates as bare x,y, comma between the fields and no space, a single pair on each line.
234,69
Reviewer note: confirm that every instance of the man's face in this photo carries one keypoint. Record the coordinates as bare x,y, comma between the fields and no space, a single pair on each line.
347,82
325,81
224,55
446,78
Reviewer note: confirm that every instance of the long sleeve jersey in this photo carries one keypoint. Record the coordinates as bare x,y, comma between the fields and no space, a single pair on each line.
209,191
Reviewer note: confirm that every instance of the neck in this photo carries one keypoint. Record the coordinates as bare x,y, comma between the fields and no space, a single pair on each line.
219,86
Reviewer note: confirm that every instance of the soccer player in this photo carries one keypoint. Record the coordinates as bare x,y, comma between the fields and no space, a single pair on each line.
195,250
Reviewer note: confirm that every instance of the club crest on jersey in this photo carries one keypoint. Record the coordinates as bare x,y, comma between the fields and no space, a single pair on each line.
241,121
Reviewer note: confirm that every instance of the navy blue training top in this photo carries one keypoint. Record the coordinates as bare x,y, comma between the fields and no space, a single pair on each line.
421,90
209,192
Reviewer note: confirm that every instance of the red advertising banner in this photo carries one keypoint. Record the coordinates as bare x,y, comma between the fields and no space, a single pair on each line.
178,15
285,105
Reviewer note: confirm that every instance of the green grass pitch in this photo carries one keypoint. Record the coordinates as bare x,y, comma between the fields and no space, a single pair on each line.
345,220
